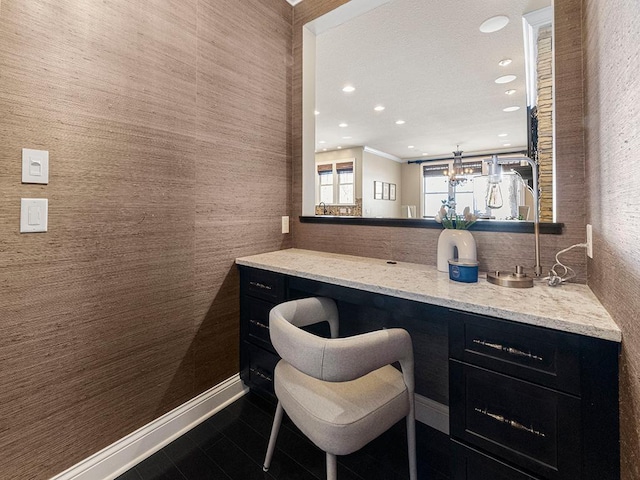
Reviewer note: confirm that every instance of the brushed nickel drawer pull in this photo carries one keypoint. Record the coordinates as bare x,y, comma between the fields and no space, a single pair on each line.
257,372
260,285
511,423
510,350
259,324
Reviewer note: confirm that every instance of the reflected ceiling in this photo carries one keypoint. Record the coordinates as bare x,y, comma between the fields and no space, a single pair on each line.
428,64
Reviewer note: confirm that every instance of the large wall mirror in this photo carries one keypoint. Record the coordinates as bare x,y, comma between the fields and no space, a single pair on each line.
391,88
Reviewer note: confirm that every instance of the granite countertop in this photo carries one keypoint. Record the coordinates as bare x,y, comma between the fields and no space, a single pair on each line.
570,308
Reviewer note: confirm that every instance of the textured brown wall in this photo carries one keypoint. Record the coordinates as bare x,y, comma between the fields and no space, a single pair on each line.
496,251
168,129
612,92
544,70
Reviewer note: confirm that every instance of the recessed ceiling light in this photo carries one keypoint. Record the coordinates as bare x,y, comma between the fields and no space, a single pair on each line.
506,144
322,141
494,24
506,79
504,62
425,153
343,125
510,92
339,148
324,149
503,134
411,146
400,122
349,89
346,138
510,109
316,112
379,108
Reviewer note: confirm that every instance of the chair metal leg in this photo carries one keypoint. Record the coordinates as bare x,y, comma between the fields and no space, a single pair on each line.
332,467
411,442
277,420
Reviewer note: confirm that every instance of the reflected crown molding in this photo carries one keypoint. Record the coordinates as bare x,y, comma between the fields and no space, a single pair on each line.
383,154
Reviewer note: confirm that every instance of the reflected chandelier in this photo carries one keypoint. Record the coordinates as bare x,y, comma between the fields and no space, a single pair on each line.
458,174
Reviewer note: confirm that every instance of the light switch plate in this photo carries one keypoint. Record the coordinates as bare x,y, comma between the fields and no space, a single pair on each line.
35,166
33,215
285,224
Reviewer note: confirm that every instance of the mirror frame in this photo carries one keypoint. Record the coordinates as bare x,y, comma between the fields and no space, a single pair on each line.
308,150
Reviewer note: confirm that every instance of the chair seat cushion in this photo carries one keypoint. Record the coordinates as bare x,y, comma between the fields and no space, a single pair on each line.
342,417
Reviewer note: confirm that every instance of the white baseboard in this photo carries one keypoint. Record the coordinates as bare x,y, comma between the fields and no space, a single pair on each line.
122,455
127,452
432,413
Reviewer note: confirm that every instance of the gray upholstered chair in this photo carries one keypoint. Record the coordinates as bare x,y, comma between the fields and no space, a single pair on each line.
340,392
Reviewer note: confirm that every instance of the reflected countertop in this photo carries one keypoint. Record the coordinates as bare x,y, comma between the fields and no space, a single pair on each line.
570,308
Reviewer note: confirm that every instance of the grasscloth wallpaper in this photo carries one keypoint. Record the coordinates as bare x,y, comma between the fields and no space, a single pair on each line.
167,123
612,95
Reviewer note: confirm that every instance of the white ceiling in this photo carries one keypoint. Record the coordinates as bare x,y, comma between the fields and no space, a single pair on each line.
428,63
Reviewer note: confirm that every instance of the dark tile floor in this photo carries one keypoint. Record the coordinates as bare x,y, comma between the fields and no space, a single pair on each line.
232,444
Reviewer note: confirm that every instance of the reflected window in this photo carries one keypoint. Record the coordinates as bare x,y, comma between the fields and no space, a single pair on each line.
465,196
326,187
515,196
336,183
435,187
345,182
436,191
473,192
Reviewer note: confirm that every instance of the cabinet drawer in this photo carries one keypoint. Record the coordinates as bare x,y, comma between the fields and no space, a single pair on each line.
258,321
263,284
470,464
262,363
539,355
525,424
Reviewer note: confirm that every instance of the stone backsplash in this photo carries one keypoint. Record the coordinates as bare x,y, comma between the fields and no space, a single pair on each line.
341,210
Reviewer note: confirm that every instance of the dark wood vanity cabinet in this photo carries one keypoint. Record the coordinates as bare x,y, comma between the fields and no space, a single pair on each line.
525,402
260,291
531,402
472,464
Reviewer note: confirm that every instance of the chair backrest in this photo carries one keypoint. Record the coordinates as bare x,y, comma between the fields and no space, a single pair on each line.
335,359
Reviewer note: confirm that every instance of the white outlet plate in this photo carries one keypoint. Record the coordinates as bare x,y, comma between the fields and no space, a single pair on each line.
589,241
285,224
33,215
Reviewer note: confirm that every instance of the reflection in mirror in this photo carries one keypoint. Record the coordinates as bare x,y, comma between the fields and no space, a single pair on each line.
511,199
424,63
506,193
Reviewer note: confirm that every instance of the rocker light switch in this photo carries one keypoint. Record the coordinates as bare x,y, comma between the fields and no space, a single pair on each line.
33,215
35,166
